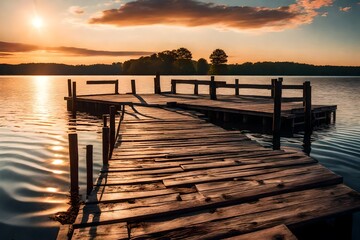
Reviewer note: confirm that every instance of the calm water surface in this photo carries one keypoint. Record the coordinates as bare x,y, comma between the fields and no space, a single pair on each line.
34,123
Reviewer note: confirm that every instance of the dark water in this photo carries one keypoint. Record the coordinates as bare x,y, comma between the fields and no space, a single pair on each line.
34,123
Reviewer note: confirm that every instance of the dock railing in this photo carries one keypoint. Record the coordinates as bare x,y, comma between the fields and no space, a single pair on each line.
101,82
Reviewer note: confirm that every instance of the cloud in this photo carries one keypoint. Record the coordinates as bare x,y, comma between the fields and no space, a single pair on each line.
324,14
192,13
76,10
6,47
344,9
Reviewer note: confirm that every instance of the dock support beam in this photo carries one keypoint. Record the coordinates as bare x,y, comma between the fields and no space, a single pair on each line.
73,100
157,87
237,93
74,165
133,86
105,141
277,114
89,169
212,88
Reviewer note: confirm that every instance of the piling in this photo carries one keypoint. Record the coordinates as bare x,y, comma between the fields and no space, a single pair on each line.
173,87
133,86
74,100
89,169
196,88
237,93
212,88
116,86
105,141
277,114
307,106
69,103
273,81
74,165
157,87
112,128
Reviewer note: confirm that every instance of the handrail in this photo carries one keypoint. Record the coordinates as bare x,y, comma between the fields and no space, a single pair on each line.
115,82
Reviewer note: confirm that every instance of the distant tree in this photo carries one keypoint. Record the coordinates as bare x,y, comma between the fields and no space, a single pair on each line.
202,66
218,57
183,53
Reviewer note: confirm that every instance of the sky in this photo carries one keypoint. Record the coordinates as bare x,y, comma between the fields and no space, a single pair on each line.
320,32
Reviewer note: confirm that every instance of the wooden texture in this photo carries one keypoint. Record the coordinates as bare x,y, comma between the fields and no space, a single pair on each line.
280,232
175,176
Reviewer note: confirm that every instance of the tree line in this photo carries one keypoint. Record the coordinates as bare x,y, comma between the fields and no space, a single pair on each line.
179,62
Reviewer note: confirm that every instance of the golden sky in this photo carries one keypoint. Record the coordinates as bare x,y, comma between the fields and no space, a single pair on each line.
321,32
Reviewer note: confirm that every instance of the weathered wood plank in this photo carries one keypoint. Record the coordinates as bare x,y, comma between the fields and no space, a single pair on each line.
117,231
274,233
290,209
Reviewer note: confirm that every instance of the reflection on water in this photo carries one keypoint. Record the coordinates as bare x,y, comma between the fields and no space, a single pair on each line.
34,167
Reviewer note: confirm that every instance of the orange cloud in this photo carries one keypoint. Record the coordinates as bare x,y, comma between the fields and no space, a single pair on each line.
6,47
344,9
77,10
192,13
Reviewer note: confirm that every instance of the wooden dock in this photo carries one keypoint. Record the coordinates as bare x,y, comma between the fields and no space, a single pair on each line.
174,175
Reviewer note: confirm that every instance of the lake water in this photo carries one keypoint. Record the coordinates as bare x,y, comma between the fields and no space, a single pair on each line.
34,123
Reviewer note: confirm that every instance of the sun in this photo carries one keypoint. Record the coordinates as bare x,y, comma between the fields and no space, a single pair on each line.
37,22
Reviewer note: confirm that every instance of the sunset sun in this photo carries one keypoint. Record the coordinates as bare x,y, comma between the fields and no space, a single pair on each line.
37,22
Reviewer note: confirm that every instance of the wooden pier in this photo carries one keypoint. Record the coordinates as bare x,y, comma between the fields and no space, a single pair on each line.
173,175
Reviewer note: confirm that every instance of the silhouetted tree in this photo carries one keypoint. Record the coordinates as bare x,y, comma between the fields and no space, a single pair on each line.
202,66
218,59
183,53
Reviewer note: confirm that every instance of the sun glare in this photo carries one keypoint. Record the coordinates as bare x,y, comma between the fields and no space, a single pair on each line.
37,22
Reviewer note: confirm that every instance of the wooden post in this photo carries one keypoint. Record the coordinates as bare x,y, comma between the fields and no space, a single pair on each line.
69,87
334,116
277,115
196,88
133,86
105,145
173,87
74,100
112,128
157,87
89,169
105,116
212,88
69,102
273,81
307,106
237,93
74,165
117,86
